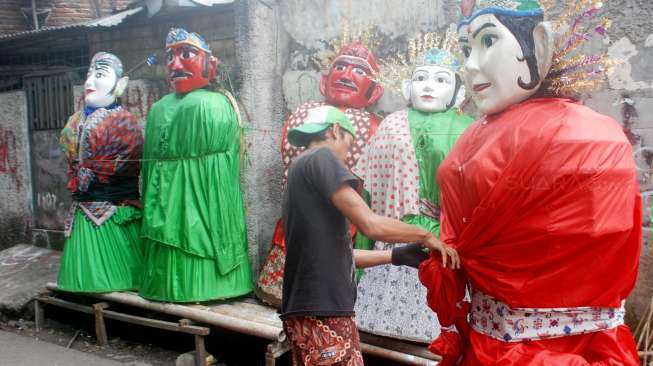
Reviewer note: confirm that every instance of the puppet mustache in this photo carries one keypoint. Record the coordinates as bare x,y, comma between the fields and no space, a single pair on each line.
347,84
180,74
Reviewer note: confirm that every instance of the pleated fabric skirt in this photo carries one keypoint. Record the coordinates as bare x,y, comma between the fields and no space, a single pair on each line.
103,258
173,275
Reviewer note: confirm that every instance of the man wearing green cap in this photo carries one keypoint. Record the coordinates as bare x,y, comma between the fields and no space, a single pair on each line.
319,203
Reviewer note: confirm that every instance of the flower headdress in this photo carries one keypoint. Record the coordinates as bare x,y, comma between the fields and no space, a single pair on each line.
573,71
427,49
353,41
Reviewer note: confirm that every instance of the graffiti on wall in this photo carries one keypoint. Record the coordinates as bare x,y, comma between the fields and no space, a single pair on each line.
644,161
8,156
139,99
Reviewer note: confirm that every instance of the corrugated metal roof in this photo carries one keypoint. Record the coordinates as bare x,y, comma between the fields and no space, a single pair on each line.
212,2
109,21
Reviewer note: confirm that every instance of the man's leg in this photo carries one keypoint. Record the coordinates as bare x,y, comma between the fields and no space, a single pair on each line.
324,341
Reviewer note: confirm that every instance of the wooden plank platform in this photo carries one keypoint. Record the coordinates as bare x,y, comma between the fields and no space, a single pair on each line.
251,317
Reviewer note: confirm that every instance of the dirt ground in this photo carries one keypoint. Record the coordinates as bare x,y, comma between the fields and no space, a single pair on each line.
119,349
141,346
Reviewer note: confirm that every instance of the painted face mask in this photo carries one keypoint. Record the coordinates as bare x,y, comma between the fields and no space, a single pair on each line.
189,62
507,51
104,81
349,82
433,86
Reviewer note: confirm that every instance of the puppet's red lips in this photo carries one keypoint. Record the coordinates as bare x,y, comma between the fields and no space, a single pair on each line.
88,91
427,97
480,87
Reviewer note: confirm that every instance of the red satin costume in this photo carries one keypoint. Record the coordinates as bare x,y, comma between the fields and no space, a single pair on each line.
543,205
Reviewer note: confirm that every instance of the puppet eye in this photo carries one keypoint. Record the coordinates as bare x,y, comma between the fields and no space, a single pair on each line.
188,53
420,76
467,51
360,71
488,40
340,67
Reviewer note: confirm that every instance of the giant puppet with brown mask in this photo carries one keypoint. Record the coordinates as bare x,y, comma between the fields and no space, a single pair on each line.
195,241
103,144
540,198
350,85
398,169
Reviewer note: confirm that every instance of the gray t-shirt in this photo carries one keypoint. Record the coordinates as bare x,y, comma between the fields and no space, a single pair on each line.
319,271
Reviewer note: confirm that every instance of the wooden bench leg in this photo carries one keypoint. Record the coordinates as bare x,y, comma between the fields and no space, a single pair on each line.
200,351
275,350
39,316
100,328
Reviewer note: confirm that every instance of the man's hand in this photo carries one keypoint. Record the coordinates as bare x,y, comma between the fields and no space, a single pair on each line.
410,255
448,253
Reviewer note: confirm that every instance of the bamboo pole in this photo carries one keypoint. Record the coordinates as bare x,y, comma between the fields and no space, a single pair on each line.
228,322
396,356
35,18
238,324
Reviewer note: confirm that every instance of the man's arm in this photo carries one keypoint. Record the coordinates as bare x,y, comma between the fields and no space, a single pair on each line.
370,258
410,255
386,229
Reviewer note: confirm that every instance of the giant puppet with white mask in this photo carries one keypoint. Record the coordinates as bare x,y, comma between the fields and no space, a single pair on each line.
103,145
195,240
398,170
350,84
540,198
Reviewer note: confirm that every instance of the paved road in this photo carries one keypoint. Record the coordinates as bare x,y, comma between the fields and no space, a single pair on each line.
18,350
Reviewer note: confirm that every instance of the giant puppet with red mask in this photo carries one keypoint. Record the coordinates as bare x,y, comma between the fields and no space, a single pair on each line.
102,144
195,241
539,197
350,85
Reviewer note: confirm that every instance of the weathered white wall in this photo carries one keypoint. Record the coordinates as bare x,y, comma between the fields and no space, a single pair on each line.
628,97
15,183
262,55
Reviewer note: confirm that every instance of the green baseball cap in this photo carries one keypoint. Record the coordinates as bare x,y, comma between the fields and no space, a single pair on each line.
318,120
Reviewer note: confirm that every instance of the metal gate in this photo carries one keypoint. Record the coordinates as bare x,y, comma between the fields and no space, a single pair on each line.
50,102
50,99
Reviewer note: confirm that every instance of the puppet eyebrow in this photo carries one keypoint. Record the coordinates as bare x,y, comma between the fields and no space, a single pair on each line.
102,67
486,25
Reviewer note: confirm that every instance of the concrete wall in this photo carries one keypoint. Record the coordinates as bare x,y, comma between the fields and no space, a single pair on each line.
262,54
628,97
15,183
310,24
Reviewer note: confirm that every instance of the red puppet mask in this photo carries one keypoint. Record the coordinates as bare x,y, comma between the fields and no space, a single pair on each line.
349,81
189,61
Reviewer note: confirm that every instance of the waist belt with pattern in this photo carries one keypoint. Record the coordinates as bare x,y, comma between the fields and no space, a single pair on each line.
495,319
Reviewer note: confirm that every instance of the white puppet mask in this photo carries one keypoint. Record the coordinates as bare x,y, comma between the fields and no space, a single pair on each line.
104,80
496,66
431,88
